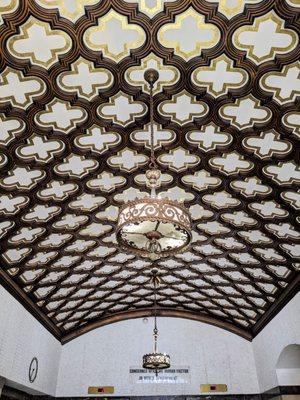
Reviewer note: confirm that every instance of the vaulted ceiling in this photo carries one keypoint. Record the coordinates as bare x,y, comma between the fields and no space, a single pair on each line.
74,146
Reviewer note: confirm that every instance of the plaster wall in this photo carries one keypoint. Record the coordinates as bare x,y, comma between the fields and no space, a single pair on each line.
282,331
22,337
103,356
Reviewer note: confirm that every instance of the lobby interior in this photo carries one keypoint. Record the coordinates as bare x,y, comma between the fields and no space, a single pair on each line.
149,199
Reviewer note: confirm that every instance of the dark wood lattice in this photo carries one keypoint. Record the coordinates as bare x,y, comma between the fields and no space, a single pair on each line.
236,274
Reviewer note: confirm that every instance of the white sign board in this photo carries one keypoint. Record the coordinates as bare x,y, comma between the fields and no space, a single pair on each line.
174,375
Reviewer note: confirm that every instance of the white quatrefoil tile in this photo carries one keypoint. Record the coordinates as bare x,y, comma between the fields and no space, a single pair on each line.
57,191
189,34
24,178
70,222
127,160
76,166
221,200
41,213
285,173
150,8
114,36
19,90
87,202
85,79
122,109
40,149
292,121
267,144
245,112
231,8
26,235
231,163
106,182
183,108
252,38
61,116
251,187
11,205
179,159
10,129
39,43
284,85
268,209
220,76
208,138
97,140
201,180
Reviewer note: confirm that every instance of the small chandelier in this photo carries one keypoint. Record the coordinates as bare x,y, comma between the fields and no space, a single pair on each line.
156,361
153,227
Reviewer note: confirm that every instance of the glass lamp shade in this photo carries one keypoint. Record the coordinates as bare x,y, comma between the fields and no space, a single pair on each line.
153,227
156,361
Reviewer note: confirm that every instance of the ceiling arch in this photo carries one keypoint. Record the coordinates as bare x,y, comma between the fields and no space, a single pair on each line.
74,146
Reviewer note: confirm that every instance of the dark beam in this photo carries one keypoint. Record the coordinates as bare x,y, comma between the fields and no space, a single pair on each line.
291,290
162,312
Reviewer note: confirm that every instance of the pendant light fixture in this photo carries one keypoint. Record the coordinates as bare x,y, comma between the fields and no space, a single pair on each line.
153,227
156,361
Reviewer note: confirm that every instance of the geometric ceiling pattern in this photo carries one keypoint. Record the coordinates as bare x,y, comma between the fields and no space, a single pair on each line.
75,145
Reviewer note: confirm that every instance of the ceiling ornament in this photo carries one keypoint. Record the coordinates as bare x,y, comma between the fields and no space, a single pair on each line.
40,149
179,159
106,182
168,75
152,226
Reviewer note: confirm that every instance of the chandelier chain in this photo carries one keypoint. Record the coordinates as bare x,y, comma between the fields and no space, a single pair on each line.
152,163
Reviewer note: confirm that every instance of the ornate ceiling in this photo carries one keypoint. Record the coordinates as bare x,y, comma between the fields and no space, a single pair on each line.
74,146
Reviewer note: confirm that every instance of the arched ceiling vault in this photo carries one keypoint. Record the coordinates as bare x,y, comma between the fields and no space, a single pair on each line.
74,146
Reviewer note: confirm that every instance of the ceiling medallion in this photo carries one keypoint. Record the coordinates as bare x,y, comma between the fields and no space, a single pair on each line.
156,361
153,227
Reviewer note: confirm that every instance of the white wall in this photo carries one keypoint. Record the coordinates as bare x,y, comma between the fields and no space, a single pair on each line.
21,338
103,357
282,331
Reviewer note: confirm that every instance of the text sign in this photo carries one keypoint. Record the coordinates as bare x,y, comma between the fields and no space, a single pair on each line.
176,374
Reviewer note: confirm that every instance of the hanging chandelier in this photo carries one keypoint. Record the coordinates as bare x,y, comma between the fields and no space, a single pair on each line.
156,361
153,227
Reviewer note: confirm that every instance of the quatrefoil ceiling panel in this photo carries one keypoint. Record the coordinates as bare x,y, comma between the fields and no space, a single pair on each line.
75,145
